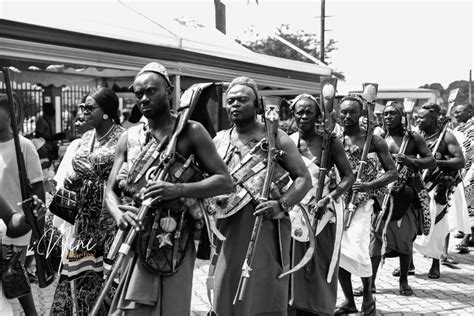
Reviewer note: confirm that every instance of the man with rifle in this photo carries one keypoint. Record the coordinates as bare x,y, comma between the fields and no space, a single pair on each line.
10,184
365,151
396,226
313,289
158,277
256,225
440,182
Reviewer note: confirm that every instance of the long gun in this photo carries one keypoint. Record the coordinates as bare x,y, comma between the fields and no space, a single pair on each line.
408,105
271,121
44,268
370,94
160,173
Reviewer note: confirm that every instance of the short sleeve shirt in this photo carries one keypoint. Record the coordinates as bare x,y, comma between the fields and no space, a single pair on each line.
10,181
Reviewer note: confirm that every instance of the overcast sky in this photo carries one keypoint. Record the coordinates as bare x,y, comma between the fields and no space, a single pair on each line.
399,44
396,43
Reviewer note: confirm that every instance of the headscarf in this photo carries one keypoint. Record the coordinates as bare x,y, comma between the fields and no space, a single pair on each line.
309,97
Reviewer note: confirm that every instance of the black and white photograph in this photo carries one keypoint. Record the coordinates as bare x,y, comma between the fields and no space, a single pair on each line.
236,157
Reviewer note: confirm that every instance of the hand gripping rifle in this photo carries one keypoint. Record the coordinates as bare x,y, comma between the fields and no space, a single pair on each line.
271,123
408,106
44,268
370,94
187,103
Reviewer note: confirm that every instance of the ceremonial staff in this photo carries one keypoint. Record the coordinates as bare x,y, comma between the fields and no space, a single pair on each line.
44,268
271,125
328,92
370,94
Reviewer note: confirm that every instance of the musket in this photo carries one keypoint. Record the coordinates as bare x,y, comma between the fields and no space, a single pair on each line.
408,106
370,94
328,92
271,123
160,172
44,268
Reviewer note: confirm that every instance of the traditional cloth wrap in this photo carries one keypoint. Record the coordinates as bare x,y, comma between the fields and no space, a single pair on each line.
248,177
335,213
169,225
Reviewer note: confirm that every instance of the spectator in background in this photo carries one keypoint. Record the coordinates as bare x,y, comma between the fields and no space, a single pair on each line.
125,122
10,184
45,128
82,271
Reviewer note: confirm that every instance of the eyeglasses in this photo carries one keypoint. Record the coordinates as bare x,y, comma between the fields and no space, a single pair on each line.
231,101
87,107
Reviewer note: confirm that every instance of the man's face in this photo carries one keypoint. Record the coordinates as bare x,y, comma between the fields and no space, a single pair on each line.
240,101
350,113
305,114
152,93
462,113
426,120
391,117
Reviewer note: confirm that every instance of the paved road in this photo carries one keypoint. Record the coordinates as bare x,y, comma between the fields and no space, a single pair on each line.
452,294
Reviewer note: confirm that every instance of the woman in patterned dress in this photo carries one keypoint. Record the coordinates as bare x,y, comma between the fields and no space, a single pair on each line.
87,243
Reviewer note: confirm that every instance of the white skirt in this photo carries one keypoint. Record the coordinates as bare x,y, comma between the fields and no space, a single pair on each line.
355,257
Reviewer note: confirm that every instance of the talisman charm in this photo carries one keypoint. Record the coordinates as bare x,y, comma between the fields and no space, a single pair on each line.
164,239
168,224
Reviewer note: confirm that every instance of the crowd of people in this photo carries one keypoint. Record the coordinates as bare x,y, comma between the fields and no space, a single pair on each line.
147,192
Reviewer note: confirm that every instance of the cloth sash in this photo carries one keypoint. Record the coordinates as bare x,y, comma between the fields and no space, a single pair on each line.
248,177
432,244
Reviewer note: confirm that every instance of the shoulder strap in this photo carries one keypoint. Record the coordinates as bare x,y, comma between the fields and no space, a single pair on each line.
223,143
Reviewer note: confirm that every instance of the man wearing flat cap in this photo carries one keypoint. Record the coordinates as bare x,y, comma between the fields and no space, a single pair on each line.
158,278
265,294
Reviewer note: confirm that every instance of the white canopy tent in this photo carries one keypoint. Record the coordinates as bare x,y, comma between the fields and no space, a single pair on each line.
112,40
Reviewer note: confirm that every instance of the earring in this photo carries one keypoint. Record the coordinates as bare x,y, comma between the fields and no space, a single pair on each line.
105,117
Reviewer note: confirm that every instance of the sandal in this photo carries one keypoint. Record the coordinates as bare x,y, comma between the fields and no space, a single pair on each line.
360,291
463,249
343,310
396,272
434,274
448,261
369,309
406,291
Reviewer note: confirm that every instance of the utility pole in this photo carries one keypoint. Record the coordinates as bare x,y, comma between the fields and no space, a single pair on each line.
323,16
220,16
470,86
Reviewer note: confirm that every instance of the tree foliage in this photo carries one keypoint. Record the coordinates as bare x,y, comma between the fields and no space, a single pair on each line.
308,42
463,94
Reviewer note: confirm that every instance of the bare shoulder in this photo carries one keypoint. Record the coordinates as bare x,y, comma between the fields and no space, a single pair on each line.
196,131
379,143
450,138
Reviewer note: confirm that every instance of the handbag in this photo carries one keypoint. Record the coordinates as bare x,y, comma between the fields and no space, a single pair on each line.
15,280
64,205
